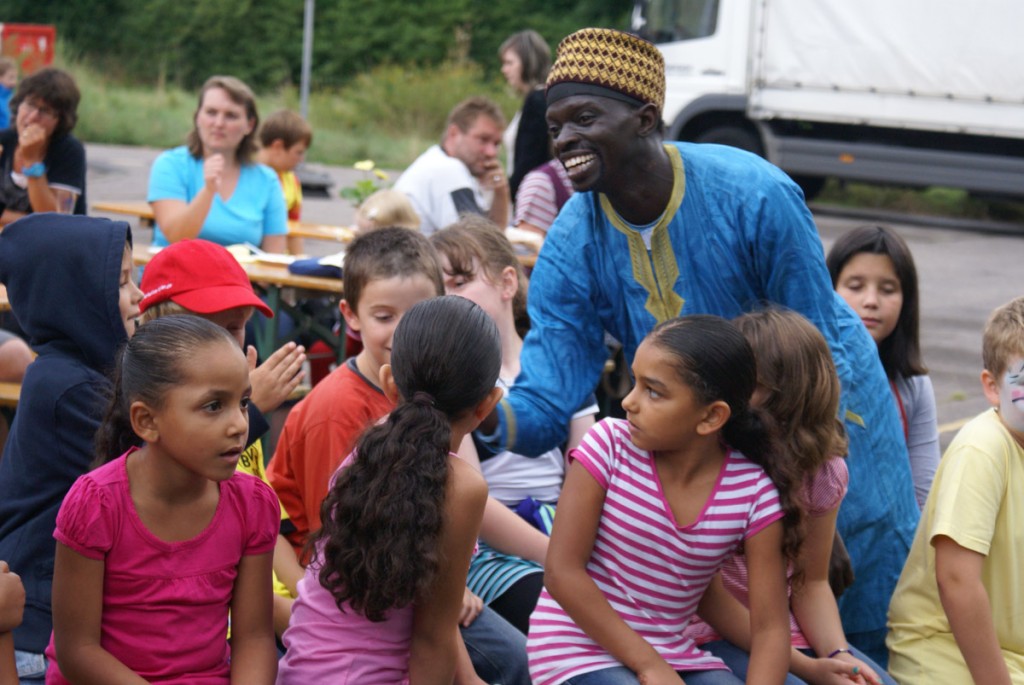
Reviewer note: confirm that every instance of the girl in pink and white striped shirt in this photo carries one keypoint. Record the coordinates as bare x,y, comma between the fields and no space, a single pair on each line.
651,508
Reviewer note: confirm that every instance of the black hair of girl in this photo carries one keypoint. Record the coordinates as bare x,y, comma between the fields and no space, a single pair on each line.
901,351
382,517
717,363
149,365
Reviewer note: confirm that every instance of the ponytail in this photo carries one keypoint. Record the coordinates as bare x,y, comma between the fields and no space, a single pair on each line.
115,435
752,432
385,510
383,515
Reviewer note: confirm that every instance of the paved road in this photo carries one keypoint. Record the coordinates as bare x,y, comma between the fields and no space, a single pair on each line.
964,274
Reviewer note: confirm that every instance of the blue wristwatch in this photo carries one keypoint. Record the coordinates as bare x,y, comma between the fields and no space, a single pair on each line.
34,170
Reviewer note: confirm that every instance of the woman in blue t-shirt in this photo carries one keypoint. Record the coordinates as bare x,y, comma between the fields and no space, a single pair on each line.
213,188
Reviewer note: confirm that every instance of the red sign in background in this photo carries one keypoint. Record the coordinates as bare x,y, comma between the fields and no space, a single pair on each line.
30,44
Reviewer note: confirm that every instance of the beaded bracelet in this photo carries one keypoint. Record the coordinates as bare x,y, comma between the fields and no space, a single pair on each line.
841,650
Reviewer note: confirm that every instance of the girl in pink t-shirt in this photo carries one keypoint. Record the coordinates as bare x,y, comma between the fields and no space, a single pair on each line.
380,601
652,506
156,546
798,387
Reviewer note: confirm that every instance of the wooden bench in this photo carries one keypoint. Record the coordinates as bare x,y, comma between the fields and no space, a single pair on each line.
140,210
10,393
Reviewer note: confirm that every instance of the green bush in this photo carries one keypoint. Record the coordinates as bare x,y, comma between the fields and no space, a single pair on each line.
933,201
390,114
131,115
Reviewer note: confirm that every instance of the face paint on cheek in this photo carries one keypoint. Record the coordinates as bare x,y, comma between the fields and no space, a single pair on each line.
1011,396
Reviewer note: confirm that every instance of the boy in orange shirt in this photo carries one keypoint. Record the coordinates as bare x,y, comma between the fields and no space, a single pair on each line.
385,273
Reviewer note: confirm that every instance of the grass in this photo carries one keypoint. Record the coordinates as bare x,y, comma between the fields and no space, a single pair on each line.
390,114
934,201
109,113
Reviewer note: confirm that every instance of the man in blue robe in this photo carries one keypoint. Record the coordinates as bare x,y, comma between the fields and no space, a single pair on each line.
658,230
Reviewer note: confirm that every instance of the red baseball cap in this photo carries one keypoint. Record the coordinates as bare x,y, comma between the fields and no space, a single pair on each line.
200,276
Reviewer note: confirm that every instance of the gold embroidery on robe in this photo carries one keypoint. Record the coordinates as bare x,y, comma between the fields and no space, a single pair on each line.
663,302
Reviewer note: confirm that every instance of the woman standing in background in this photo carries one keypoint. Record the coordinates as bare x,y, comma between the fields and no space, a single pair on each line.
525,60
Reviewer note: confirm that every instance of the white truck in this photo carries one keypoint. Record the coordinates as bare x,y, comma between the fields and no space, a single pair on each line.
902,92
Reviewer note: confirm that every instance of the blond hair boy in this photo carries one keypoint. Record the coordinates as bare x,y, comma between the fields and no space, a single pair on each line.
957,615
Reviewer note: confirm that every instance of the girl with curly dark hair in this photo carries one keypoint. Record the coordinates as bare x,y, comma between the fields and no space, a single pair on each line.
380,602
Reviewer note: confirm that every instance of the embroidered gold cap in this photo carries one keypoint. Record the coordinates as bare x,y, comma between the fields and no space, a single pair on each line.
609,63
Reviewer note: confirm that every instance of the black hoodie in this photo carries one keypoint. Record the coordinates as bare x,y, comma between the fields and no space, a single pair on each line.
62,275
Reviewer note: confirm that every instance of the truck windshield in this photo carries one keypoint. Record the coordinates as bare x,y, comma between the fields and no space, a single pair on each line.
665,21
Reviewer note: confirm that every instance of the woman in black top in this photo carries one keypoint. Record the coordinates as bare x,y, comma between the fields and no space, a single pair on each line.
525,60
42,166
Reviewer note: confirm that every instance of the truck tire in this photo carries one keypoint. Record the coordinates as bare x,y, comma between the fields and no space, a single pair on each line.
735,136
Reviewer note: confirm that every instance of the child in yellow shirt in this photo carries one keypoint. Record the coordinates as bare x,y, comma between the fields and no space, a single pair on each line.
956,614
284,138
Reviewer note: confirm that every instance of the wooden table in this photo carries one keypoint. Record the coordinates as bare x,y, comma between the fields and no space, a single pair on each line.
140,210
270,281
10,393
297,229
302,229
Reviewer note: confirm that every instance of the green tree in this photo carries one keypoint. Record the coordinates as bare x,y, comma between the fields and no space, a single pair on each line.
260,41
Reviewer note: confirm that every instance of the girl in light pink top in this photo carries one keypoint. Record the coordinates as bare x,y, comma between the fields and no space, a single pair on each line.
651,508
798,387
380,601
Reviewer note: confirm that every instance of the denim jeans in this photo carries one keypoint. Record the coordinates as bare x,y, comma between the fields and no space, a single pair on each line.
620,675
872,643
738,660
31,668
497,649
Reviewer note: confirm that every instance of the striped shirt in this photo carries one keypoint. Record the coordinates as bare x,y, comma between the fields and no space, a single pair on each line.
652,571
536,199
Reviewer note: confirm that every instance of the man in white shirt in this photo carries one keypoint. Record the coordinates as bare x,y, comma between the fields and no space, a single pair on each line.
463,173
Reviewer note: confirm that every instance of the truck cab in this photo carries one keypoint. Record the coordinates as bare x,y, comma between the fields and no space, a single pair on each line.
705,45
915,94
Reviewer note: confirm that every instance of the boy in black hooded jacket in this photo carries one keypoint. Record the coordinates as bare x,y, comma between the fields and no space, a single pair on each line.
70,284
